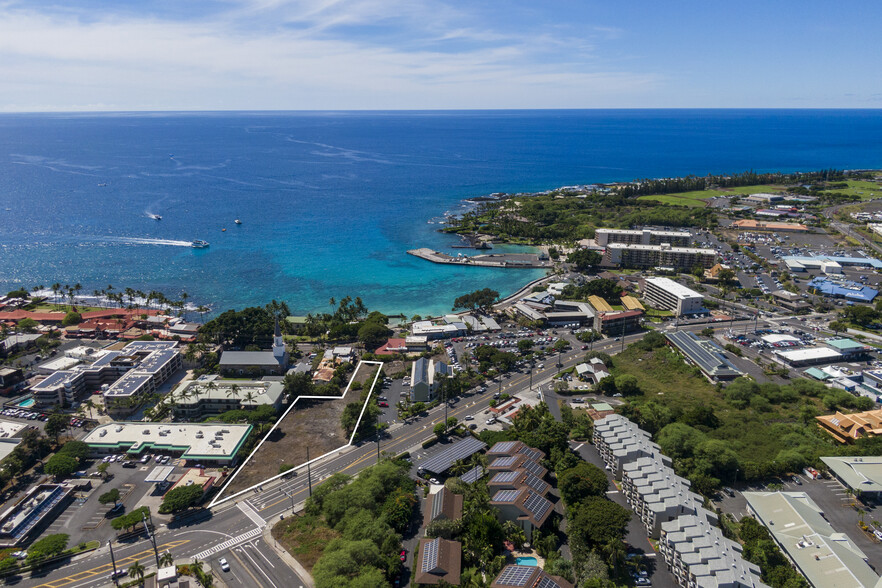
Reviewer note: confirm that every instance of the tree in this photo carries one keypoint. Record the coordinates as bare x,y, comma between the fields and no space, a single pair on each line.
28,325
584,259
56,425
181,498
75,449
72,318
596,521
60,465
627,385
102,469
137,571
524,345
582,481
48,546
373,334
166,559
440,429
109,496
479,299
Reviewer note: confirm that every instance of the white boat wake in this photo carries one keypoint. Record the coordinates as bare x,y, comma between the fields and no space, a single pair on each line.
145,241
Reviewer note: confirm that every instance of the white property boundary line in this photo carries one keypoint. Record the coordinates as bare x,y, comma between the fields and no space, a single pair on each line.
217,499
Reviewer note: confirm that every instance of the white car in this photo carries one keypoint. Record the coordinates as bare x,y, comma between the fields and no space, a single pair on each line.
224,565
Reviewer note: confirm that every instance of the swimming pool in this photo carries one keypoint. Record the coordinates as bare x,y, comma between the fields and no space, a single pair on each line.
26,403
527,561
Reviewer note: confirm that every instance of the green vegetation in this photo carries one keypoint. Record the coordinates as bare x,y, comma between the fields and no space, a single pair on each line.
479,299
356,524
181,498
250,326
131,519
716,435
47,547
68,459
109,496
761,549
606,289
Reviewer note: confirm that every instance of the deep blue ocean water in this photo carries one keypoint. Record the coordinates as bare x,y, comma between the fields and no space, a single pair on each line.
331,201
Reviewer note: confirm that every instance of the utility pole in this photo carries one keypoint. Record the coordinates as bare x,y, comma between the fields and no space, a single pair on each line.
152,539
113,562
623,334
308,471
378,447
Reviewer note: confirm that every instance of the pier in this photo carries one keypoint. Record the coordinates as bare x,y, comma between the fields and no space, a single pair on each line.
506,260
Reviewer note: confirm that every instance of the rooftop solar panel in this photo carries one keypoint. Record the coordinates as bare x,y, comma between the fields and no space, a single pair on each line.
537,505
533,454
438,503
515,576
535,483
502,462
547,582
473,475
430,555
506,495
462,449
533,467
504,477
503,447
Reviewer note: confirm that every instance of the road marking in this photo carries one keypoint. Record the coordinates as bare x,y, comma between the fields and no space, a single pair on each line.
257,565
229,543
251,513
578,447
260,553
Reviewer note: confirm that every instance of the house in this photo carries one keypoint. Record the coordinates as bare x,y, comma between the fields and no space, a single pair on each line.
445,505
425,379
515,576
525,507
437,560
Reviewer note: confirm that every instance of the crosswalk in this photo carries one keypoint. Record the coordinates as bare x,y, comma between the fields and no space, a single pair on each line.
247,536
251,513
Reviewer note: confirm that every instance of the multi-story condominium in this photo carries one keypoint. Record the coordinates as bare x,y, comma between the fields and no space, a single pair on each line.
620,441
667,294
604,237
194,399
645,256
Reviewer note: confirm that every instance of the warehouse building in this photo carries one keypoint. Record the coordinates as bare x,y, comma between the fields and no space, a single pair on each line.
647,256
706,355
667,294
862,474
796,358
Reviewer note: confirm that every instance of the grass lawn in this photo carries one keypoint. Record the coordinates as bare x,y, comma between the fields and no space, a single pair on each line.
863,189
755,434
304,537
696,198
658,312
65,308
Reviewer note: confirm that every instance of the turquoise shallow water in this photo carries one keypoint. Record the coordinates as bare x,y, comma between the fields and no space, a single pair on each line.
330,202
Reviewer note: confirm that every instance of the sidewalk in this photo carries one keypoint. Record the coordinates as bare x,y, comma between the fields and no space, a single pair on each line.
283,553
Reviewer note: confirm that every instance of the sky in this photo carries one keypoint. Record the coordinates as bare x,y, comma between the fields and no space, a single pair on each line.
155,55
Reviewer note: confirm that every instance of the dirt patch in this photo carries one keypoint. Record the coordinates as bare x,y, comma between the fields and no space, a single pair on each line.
311,423
304,537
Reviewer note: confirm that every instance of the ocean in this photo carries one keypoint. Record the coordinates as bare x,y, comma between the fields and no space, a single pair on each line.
330,201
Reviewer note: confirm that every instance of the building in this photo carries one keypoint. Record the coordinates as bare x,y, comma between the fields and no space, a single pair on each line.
796,358
441,461
762,226
849,348
194,399
432,331
525,507
698,555
799,263
604,237
764,198
272,362
436,560
567,312
13,343
122,377
862,474
516,479
845,428
618,322
647,256
592,371
195,477
843,289
515,576
11,380
196,442
824,556
39,507
513,463
790,300
425,379
667,294
631,303
445,505
620,441
704,354
513,448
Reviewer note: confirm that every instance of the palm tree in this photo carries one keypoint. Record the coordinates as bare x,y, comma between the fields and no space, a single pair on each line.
615,551
249,397
137,571
459,467
166,559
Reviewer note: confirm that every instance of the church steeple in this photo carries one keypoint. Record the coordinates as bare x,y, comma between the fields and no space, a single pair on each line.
279,350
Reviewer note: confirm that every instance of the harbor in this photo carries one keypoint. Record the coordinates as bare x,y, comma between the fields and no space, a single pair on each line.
505,260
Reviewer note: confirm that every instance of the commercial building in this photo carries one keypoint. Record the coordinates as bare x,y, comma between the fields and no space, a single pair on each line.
706,355
647,256
436,560
862,474
441,461
762,226
824,556
618,322
425,379
198,442
13,343
39,507
698,555
11,380
843,289
194,399
432,331
272,362
516,576
604,237
845,428
798,263
124,376
764,198
667,294
631,303
849,348
796,358
790,300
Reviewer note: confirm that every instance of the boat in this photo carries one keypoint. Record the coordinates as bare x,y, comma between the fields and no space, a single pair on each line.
102,185
199,244
223,230
155,216
237,221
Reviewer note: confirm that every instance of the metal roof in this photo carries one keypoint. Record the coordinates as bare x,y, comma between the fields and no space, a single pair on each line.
473,475
159,474
707,355
462,449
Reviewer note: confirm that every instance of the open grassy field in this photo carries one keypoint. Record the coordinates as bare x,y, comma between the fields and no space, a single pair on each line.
304,537
698,197
863,189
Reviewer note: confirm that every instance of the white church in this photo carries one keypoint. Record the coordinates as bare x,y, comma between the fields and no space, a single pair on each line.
270,362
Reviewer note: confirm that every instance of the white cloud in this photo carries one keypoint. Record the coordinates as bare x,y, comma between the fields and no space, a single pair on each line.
61,62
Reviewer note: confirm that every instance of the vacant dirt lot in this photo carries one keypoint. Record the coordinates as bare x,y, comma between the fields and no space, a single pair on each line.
312,423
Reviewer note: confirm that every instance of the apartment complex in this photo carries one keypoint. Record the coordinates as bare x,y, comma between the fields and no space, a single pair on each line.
693,548
617,322
604,237
667,294
664,255
194,399
425,379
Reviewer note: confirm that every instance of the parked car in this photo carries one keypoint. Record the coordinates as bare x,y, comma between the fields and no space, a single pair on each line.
403,555
383,404
224,565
